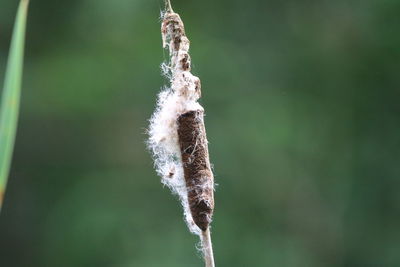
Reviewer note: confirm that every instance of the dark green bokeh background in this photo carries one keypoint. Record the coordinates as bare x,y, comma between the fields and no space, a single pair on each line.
302,101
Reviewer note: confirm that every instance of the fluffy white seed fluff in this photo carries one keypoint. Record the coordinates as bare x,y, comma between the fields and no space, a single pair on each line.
173,101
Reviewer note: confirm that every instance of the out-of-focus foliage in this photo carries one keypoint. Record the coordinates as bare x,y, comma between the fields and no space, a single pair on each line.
302,118
9,106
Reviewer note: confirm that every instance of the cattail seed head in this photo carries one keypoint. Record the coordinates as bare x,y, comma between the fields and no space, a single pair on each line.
177,134
196,167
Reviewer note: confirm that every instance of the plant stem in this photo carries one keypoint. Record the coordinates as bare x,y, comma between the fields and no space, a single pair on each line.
207,248
11,96
168,6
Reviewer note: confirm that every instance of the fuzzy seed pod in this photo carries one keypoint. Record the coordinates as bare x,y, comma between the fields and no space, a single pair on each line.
177,132
177,135
196,166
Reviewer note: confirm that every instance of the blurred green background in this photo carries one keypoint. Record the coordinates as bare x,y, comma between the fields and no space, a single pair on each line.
302,101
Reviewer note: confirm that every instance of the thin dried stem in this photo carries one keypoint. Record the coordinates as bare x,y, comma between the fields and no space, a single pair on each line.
168,6
207,248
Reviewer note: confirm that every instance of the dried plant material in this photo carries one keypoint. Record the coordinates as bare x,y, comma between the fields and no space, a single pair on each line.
177,135
196,167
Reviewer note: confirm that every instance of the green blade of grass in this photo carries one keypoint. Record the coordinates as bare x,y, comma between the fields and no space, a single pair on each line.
11,96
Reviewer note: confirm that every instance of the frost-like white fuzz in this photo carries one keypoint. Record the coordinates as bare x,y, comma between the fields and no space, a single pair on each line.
173,101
